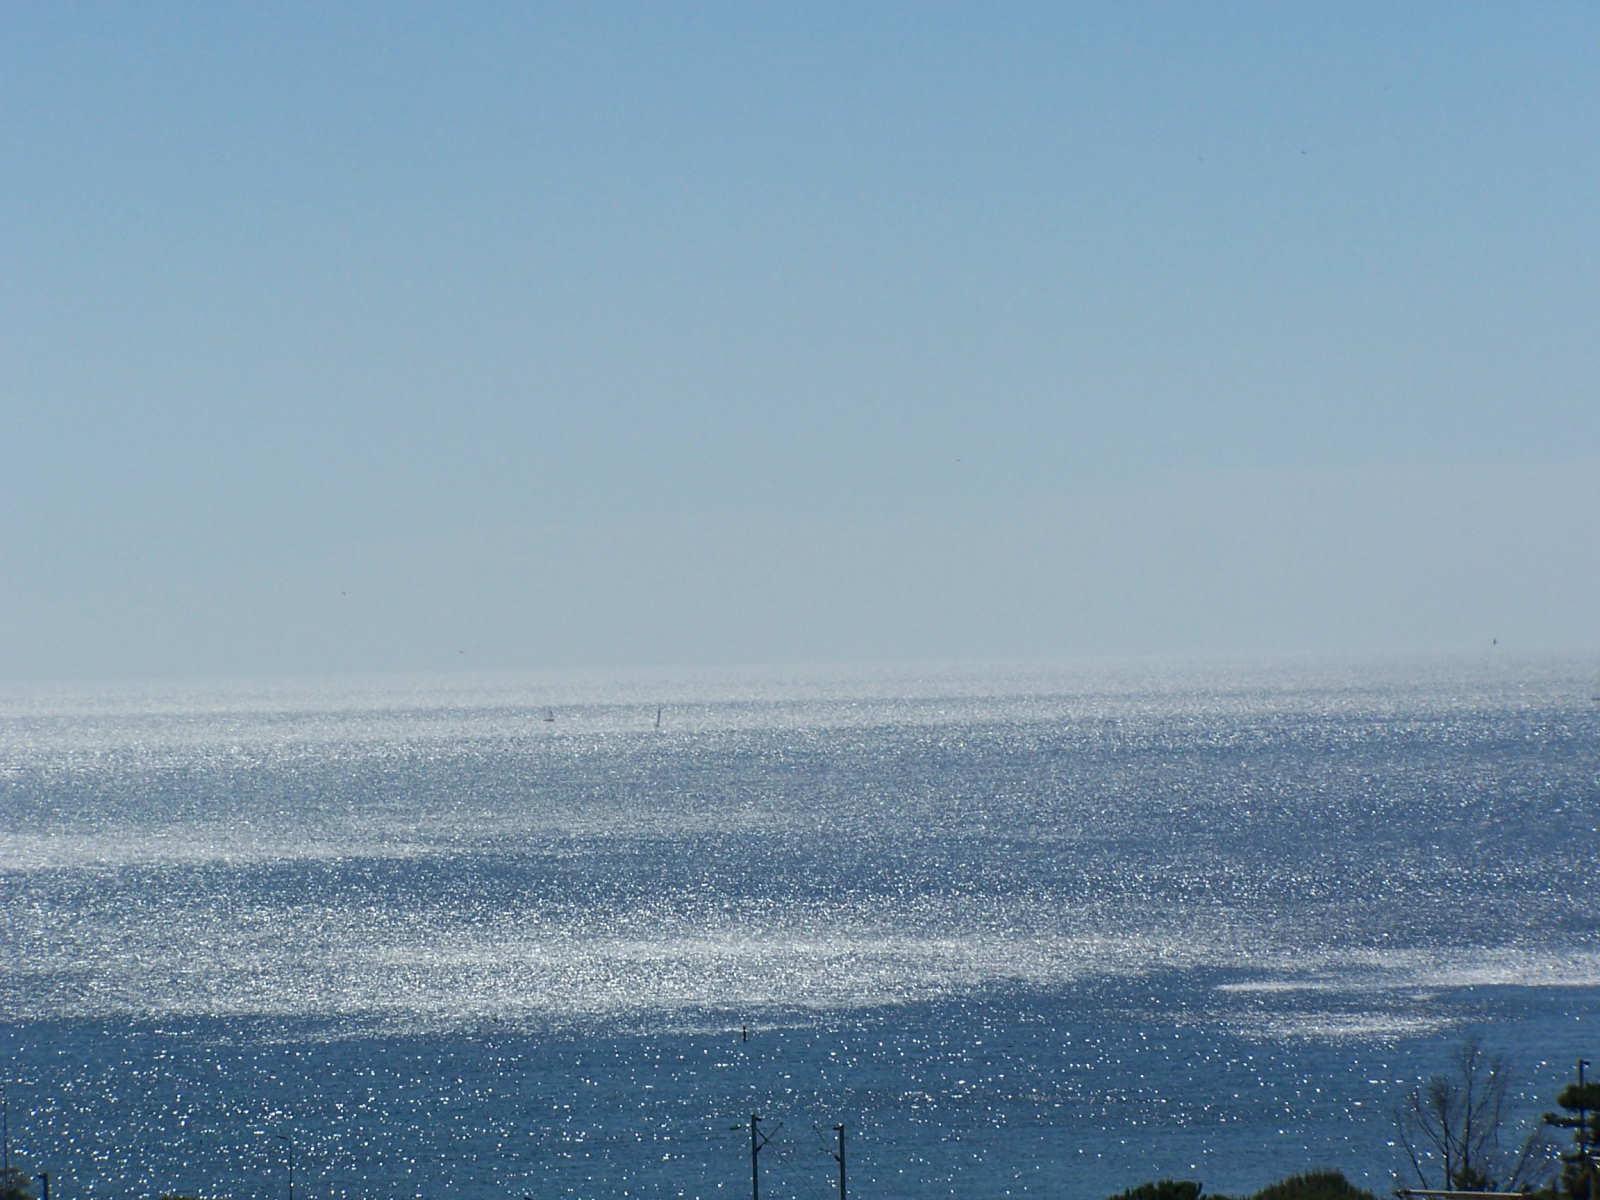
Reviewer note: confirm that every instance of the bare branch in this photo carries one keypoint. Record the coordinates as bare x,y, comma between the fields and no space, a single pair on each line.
1452,1124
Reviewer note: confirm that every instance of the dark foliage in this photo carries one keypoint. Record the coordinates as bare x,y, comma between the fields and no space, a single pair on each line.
1162,1189
1314,1185
15,1185
1580,1174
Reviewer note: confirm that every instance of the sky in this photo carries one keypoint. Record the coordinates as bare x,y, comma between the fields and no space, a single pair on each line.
388,337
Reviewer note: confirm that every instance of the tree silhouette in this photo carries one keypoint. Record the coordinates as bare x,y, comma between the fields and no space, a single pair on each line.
1450,1128
1580,1102
15,1185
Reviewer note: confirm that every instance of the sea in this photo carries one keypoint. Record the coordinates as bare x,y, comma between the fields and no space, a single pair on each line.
1000,931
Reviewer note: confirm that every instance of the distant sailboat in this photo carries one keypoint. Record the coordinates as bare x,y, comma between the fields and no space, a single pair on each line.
658,716
549,715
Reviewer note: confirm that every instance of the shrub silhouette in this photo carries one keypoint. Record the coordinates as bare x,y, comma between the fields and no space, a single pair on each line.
1314,1185
1311,1185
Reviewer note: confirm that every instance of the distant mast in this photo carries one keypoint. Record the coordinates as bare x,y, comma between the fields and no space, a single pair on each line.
658,716
549,715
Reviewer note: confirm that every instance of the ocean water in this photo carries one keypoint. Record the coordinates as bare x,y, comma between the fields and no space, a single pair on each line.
1021,932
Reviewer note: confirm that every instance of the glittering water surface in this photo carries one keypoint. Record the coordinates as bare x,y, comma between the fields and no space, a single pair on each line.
1021,933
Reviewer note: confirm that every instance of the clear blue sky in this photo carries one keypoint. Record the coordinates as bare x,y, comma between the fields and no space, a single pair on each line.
399,338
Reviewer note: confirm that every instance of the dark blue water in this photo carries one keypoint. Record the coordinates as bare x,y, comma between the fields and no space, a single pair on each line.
1020,933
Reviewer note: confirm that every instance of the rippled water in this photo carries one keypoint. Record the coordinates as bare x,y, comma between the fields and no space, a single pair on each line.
1022,933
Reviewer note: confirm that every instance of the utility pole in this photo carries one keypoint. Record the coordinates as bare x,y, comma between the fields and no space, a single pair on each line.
289,1142
1585,1163
1583,1115
758,1142
837,1154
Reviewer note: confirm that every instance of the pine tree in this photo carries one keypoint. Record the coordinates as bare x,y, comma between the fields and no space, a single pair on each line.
1580,1104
